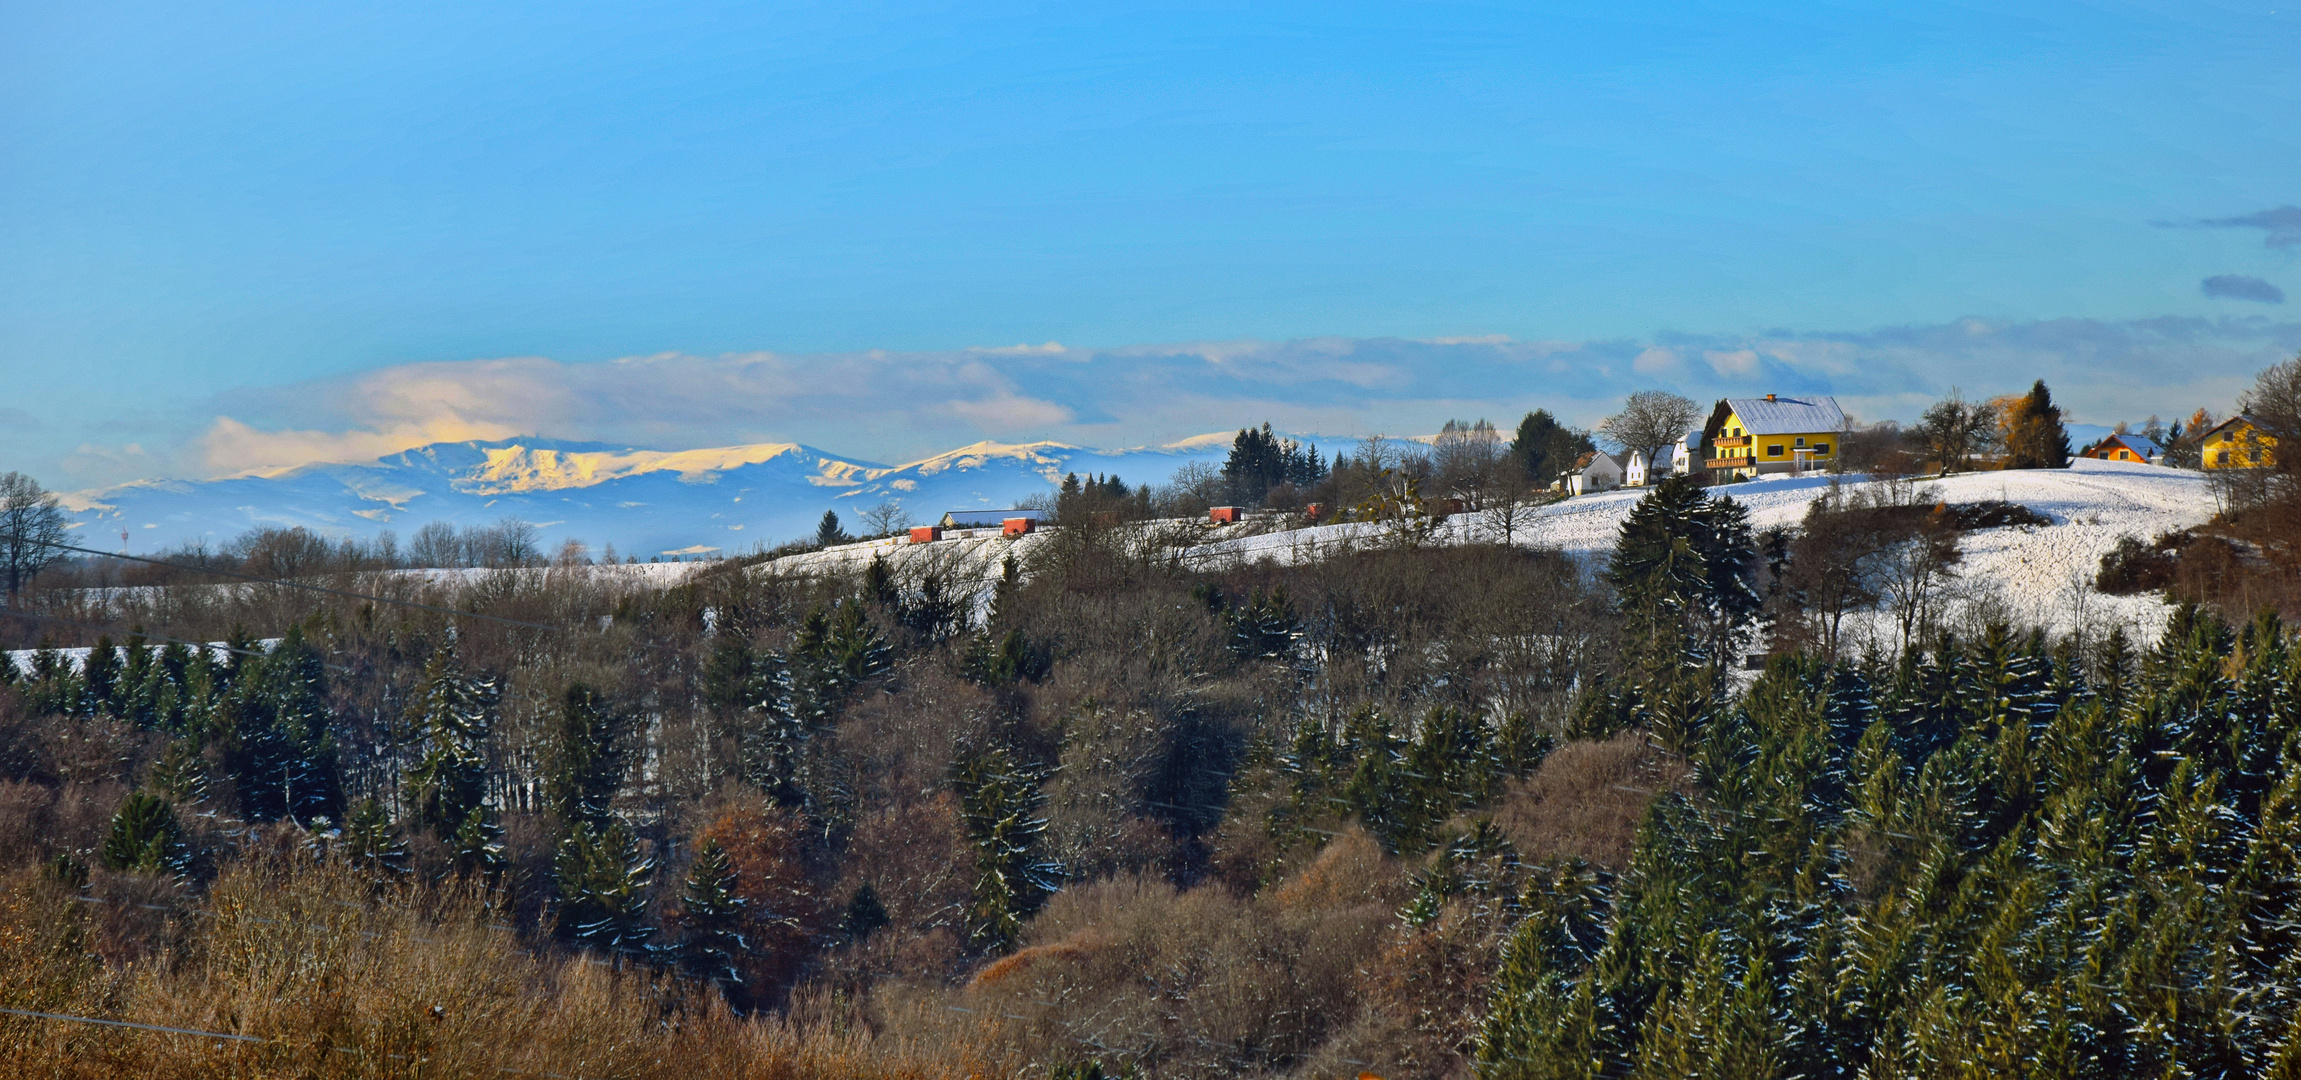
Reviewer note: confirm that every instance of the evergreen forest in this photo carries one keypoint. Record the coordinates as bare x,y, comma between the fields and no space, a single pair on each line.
1406,810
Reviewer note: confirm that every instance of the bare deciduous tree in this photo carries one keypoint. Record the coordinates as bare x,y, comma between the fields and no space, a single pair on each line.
281,553
1650,421
1954,429
435,545
886,519
31,524
2274,403
1469,459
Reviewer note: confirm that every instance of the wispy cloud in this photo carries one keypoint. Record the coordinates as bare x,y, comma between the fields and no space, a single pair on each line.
2242,287
2280,226
901,406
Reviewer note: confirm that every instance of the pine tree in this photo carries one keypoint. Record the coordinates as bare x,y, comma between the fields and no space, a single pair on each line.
1000,801
2034,435
865,915
711,918
452,714
587,766
602,889
179,774
145,836
477,846
828,532
371,841
274,727
100,678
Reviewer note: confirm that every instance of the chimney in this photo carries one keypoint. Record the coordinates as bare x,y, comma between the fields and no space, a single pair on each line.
1769,397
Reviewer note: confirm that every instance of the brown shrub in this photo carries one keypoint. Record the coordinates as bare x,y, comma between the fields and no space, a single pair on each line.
1350,871
321,977
1587,799
1201,982
767,846
1431,984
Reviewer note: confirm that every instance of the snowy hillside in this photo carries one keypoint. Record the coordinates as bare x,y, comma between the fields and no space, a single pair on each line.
2037,575
645,502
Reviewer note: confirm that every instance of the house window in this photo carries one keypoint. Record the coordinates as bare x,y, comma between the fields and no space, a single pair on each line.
1801,441
1821,448
2221,457
1773,449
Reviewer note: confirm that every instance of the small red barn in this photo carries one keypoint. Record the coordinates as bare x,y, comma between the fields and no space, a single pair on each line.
1223,515
926,534
1016,526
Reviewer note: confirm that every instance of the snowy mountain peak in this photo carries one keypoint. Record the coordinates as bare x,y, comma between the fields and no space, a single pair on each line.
519,468
716,499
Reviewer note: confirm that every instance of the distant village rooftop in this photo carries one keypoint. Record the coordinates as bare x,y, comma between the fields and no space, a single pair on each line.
988,519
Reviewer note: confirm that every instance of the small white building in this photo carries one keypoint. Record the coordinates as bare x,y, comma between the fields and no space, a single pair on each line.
1682,454
1635,471
1594,471
1638,472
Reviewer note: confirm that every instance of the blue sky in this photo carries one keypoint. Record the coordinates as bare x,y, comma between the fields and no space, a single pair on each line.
240,235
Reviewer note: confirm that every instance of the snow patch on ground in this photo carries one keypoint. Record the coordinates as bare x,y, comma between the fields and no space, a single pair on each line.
2035,575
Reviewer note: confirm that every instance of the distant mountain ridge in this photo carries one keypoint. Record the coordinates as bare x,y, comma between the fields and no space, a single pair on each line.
645,502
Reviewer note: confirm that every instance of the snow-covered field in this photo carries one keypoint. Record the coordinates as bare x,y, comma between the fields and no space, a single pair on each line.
2035,575
2032,575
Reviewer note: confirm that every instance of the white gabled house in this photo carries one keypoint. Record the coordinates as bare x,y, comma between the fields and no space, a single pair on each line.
1594,471
1635,470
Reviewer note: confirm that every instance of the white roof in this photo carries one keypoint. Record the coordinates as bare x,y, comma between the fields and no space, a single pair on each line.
2141,445
1788,415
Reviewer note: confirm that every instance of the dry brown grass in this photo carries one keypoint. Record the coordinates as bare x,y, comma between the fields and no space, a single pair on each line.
330,978
1203,982
1587,799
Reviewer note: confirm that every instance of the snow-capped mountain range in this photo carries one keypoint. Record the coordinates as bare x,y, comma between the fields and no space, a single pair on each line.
722,500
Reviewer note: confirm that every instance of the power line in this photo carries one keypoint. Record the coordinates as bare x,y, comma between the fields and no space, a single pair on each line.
127,1024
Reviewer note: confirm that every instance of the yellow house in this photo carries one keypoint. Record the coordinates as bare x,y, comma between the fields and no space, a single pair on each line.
2238,443
1774,434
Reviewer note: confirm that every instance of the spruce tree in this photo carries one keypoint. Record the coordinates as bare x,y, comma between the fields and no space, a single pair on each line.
477,846
711,918
274,727
452,714
1683,572
145,836
828,532
2035,437
179,773
587,766
371,841
1000,801
100,678
602,885
865,915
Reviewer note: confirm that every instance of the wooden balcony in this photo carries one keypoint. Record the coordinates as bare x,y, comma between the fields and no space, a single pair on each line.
1724,443
1730,463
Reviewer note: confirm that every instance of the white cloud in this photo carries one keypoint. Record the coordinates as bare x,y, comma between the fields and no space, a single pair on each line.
1655,361
1732,363
902,406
